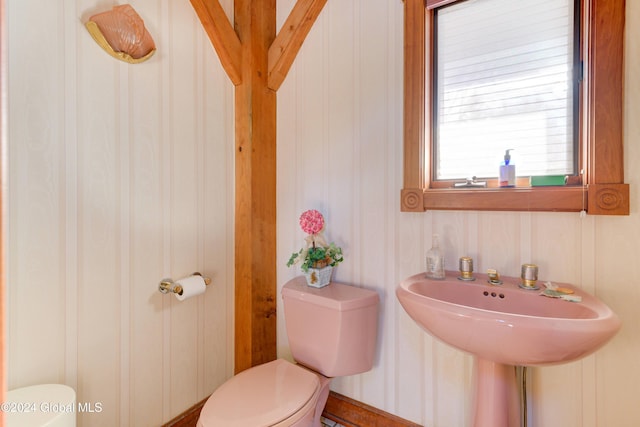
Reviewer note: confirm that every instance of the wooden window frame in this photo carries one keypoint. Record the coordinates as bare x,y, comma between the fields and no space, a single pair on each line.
602,191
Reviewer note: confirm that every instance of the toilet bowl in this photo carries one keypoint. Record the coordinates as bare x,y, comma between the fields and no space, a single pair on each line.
332,332
43,405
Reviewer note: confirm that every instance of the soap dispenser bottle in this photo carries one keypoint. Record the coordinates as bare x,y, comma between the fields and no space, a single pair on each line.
507,171
435,260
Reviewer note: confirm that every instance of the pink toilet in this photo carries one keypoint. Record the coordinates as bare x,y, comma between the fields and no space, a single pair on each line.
332,332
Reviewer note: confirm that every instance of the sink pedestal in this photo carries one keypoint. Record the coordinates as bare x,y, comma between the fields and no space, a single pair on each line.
507,324
495,398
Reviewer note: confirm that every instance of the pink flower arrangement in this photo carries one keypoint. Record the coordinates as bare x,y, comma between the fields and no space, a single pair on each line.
317,253
311,221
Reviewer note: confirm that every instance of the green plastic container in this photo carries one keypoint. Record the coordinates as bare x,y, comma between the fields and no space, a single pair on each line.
547,180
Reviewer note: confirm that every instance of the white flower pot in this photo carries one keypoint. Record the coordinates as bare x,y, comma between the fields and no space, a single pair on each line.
318,277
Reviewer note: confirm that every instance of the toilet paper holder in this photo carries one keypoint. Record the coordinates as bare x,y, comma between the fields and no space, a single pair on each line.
168,285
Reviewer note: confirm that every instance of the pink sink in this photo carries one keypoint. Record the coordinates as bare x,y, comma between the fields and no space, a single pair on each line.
505,325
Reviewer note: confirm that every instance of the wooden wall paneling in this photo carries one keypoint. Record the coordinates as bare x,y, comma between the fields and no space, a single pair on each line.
616,244
288,204
99,238
393,152
413,368
97,215
341,34
552,387
145,382
331,84
450,367
71,195
3,201
451,376
499,242
217,121
35,134
165,146
122,216
586,265
374,169
185,214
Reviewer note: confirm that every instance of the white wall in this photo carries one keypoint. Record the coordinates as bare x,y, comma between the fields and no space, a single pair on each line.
119,175
340,137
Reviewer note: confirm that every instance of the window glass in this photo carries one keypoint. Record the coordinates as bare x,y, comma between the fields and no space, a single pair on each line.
504,79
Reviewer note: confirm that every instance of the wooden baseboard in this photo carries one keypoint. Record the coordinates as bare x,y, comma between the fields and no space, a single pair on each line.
339,408
351,413
188,418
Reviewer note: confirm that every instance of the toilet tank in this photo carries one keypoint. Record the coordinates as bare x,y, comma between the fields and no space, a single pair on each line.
332,330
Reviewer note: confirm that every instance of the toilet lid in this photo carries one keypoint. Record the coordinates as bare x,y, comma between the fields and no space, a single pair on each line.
261,396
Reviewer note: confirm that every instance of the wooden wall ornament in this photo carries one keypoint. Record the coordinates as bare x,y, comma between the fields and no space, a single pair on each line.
121,33
256,61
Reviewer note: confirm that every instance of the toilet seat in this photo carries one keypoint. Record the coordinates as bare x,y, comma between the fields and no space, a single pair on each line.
276,393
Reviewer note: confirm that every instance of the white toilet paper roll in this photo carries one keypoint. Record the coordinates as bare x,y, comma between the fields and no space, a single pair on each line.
191,286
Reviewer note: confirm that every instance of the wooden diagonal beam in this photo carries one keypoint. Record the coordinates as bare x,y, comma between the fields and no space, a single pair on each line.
224,39
285,47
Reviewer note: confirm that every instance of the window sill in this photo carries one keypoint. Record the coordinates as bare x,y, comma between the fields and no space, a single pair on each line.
598,199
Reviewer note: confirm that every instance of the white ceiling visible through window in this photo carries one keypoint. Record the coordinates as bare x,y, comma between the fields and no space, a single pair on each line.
504,73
